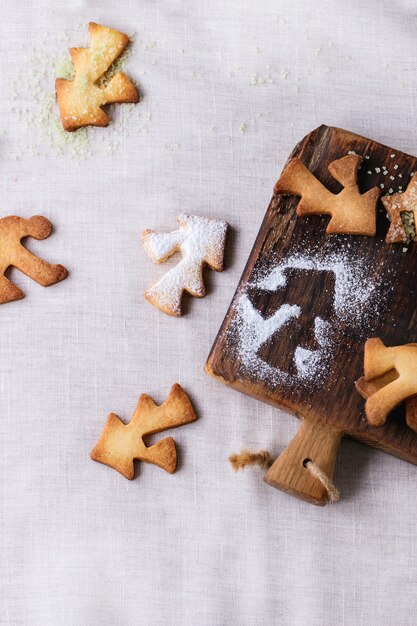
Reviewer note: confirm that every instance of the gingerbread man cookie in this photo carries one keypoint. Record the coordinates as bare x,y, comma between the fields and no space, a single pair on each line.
80,100
12,253
200,241
120,444
351,212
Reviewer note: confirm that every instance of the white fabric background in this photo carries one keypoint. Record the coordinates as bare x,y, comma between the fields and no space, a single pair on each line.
81,545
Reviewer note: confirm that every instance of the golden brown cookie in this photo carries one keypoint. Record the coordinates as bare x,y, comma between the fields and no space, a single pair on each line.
12,253
366,389
200,241
80,100
120,444
395,369
351,212
396,204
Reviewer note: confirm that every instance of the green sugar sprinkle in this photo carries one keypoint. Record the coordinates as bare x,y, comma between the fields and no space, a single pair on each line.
407,218
64,67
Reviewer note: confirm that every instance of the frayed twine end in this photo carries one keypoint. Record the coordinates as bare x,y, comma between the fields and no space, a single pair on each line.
262,459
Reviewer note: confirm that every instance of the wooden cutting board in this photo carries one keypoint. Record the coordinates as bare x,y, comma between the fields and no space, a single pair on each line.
294,333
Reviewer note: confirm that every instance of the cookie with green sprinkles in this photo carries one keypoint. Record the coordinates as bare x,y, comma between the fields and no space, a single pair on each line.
81,99
402,211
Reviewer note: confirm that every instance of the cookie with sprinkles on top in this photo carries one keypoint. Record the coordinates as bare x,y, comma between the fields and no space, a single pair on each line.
395,205
80,100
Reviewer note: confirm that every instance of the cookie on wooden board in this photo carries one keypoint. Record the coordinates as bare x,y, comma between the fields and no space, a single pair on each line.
396,204
367,388
351,212
398,365
255,352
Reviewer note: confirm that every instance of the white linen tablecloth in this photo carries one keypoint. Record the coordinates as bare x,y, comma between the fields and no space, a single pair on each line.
228,89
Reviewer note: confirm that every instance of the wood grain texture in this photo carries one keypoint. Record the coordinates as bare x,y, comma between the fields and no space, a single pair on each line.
314,440
334,401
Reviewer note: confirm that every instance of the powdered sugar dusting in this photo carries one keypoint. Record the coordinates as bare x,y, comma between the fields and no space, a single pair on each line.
255,331
353,304
351,292
160,246
311,363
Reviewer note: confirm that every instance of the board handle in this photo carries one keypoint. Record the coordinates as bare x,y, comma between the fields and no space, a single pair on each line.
314,441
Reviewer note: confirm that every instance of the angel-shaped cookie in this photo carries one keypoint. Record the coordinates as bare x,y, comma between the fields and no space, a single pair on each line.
120,444
390,379
201,242
13,253
80,100
351,212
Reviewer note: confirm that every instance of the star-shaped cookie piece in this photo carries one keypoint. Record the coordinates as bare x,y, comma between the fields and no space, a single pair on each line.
396,204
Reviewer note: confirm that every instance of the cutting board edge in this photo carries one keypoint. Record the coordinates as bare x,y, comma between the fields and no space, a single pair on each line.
323,128
362,438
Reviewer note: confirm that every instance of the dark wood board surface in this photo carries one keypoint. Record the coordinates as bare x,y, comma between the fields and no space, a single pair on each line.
386,272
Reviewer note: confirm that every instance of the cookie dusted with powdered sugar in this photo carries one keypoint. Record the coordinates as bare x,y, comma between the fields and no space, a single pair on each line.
201,242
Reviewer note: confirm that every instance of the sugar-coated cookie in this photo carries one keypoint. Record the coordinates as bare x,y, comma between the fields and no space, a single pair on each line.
396,204
120,444
200,241
351,212
80,100
12,253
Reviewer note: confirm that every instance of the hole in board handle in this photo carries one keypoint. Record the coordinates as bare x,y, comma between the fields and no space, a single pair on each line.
306,461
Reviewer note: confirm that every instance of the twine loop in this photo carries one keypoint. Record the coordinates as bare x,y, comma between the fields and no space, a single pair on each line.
264,461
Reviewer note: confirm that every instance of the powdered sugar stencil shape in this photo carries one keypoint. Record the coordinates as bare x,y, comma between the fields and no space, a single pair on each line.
308,361
351,292
254,331
353,297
